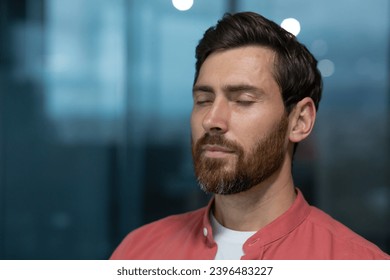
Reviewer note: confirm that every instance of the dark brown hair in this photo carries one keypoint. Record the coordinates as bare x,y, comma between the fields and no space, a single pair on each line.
295,67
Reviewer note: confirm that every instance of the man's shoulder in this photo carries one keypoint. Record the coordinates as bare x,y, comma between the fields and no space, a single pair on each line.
157,239
347,243
173,222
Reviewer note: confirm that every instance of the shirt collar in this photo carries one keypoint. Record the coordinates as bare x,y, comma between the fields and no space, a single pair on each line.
207,228
278,228
284,224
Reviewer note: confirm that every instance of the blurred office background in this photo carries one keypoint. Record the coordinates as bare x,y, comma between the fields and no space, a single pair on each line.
95,99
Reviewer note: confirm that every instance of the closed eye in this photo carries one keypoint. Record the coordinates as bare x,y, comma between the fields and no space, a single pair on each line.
202,98
203,102
245,102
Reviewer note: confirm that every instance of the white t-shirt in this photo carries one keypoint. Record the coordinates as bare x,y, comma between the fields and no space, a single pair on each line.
229,241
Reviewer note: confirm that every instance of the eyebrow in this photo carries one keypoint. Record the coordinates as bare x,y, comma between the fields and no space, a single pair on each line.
202,88
230,89
243,88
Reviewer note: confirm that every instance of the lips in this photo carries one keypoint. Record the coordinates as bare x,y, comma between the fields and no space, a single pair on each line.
217,149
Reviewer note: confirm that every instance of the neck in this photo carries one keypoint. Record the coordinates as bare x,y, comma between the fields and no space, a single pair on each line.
253,209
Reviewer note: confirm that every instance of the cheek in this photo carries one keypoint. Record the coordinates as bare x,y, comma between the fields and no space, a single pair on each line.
248,131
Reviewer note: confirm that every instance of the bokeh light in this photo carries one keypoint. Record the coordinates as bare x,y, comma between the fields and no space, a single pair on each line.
183,5
291,25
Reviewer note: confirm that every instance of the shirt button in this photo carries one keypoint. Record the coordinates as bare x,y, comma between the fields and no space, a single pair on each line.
205,231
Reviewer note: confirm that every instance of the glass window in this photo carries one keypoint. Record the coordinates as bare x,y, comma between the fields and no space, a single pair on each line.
95,102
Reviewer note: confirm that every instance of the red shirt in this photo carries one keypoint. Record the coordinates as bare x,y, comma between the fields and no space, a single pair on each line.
303,232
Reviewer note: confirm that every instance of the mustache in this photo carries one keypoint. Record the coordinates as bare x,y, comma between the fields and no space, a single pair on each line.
219,140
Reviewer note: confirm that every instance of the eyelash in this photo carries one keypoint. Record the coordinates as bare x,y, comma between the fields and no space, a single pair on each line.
240,102
245,102
202,102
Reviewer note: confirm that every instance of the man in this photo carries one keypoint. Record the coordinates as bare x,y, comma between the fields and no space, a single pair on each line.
256,92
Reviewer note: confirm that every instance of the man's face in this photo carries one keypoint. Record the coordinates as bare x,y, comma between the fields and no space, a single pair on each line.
239,123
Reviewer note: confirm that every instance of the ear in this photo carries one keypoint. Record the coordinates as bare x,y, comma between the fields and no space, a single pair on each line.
302,120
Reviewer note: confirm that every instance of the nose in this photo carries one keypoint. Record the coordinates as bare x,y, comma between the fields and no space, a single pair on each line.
216,119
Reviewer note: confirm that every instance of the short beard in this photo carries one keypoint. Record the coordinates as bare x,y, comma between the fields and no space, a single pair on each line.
249,170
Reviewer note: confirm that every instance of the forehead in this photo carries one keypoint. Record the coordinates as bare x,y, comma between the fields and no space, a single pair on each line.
251,66
248,65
